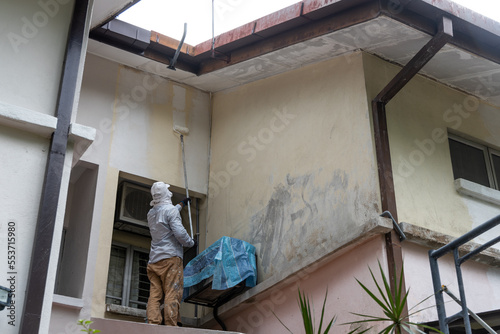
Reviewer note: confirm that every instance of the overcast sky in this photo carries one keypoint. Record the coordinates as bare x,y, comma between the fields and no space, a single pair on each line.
168,17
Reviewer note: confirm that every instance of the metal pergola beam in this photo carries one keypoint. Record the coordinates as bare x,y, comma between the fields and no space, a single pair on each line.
386,180
444,34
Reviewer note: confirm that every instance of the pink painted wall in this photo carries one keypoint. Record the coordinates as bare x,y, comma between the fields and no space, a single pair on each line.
344,294
481,283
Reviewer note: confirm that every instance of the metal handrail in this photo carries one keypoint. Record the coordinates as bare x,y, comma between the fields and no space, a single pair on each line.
472,314
453,246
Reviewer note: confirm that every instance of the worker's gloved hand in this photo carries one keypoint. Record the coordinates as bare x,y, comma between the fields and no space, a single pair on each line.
195,243
185,201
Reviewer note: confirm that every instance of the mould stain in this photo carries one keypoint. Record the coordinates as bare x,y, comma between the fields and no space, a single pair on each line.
295,221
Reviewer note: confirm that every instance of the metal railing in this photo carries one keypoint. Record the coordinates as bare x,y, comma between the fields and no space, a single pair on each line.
453,246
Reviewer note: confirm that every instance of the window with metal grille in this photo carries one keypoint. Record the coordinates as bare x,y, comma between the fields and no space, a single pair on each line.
474,162
128,282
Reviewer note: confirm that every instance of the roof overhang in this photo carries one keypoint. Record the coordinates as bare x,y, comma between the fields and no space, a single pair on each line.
312,31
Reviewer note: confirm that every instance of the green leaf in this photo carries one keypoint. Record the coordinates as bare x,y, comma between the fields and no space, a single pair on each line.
281,322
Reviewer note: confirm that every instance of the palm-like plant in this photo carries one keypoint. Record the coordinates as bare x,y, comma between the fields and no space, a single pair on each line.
308,315
392,306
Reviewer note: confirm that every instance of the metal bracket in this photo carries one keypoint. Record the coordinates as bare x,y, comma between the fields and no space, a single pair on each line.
387,214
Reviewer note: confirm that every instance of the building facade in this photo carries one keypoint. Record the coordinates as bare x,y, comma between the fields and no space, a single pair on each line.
297,143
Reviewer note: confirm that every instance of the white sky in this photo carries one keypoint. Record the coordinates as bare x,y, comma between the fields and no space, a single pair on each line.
168,16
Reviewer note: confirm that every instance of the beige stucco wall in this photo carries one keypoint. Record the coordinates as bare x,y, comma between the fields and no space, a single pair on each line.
134,113
292,163
419,118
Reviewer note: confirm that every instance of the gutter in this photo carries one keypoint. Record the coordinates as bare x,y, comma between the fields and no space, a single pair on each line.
382,148
42,244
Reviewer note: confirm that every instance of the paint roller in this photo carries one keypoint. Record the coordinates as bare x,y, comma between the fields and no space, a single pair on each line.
185,131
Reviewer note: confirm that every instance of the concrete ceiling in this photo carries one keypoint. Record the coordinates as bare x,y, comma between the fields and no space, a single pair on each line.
382,36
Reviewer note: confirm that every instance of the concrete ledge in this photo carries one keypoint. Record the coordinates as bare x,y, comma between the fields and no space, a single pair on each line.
435,240
375,227
128,327
69,302
478,191
27,120
82,136
138,315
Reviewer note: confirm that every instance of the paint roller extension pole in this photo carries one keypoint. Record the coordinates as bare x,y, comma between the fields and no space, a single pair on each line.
180,131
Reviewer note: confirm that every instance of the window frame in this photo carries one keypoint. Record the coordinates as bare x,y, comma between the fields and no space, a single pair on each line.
127,273
487,154
496,178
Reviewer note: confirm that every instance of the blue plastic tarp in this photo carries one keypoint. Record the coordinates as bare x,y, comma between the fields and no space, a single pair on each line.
229,260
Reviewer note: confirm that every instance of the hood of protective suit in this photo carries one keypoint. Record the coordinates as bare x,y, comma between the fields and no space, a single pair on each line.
161,194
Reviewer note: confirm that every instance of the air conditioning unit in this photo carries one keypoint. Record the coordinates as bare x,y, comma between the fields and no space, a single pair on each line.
133,204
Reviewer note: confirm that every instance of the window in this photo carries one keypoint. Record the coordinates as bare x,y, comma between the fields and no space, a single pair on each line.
128,283
474,162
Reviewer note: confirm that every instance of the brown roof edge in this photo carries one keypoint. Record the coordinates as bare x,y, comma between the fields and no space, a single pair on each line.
477,34
170,42
312,18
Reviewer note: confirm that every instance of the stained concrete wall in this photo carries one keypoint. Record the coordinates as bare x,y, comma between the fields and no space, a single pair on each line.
419,118
134,114
292,164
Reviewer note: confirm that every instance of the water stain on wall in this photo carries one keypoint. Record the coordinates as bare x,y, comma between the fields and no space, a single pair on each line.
297,219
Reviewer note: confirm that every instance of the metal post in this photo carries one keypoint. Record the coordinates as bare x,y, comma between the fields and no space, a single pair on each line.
461,289
438,294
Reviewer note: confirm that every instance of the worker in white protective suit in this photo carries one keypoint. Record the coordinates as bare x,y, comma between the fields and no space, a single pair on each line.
165,266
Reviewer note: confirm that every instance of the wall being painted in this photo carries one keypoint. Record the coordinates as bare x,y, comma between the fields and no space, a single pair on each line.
419,118
292,164
134,114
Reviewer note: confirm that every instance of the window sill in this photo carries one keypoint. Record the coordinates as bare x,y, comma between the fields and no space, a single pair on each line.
125,310
478,191
69,302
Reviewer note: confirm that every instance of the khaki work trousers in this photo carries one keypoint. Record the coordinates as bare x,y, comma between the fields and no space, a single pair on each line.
167,282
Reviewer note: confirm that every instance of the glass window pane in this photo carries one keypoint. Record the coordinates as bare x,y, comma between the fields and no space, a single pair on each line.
496,168
468,163
139,282
114,289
